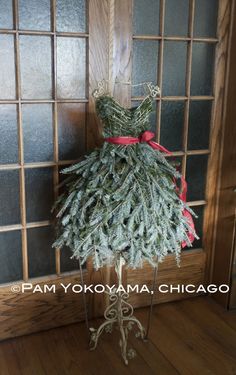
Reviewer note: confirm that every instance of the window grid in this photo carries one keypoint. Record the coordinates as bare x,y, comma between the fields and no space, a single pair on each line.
56,163
190,39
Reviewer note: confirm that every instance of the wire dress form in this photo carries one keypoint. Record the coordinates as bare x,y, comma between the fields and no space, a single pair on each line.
122,205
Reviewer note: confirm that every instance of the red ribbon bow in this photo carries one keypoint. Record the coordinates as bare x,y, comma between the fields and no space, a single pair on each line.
147,137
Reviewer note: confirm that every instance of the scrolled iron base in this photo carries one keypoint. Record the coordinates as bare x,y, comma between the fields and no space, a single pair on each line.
120,314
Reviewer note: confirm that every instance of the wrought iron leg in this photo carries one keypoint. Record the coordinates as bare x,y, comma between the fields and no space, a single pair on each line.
120,314
151,303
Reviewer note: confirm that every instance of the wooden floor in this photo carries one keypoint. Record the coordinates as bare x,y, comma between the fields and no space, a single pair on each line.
194,336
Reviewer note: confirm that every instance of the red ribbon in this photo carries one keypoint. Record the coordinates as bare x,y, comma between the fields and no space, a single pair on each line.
144,137
147,137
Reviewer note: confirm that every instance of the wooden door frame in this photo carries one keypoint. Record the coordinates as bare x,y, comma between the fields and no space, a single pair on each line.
110,28
224,246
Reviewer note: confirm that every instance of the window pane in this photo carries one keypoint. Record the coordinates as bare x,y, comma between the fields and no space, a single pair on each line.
71,130
68,264
205,18
10,257
176,17
198,222
71,67
34,14
8,134
38,132
202,69
41,255
39,193
71,15
199,124
145,54
196,176
146,17
9,198
35,59
6,19
172,121
174,68
7,68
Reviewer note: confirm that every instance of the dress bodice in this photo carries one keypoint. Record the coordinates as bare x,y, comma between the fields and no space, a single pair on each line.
120,121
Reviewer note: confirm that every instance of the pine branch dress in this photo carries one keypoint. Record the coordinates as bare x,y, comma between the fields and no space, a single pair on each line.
122,198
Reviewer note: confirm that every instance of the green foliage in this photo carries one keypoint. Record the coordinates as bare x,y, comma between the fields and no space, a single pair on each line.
121,198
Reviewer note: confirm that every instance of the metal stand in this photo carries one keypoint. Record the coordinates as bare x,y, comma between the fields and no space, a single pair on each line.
151,302
120,313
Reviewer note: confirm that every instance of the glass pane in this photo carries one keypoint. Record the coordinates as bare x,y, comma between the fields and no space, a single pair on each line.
71,67
9,198
153,115
34,14
8,134
6,19
71,130
71,15
145,54
202,68
10,257
146,17
41,255
172,121
7,67
199,124
196,176
38,132
39,193
36,74
205,18
198,222
68,264
176,17
174,68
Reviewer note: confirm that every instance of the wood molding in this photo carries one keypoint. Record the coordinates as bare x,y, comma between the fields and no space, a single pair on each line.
98,64
224,238
216,137
122,51
24,313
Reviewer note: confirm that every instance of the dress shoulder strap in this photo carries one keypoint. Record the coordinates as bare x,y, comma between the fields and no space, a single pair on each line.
101,89
153,90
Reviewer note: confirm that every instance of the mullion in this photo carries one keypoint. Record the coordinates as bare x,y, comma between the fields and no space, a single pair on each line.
55,122
20,145
68,162
42,101
44,33
160,68
174,98
175,38
188,83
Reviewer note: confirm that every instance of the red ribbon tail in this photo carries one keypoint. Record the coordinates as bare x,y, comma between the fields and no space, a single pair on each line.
186,213
157,146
